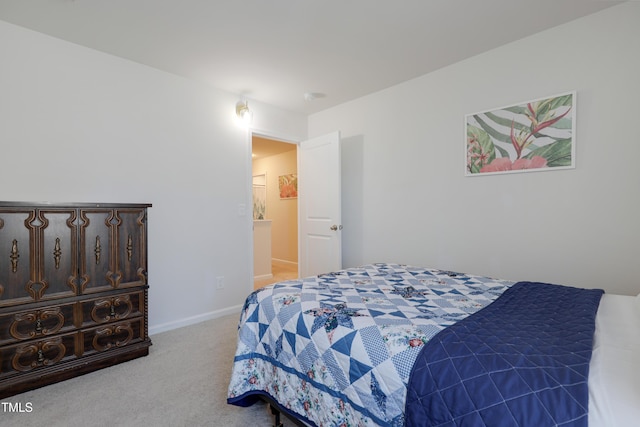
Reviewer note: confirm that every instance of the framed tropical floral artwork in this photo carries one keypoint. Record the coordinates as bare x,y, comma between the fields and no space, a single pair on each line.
537,135
288,186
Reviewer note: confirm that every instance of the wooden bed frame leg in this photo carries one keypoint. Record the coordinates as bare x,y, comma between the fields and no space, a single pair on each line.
276,414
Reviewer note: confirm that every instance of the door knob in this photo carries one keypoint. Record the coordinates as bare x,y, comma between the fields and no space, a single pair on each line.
335,227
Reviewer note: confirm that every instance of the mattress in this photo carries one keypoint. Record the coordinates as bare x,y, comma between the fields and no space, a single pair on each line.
614,379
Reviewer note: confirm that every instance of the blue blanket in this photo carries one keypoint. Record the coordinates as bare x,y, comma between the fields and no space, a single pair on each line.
521,361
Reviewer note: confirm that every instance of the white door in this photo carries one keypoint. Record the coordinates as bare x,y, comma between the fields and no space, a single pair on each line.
319,197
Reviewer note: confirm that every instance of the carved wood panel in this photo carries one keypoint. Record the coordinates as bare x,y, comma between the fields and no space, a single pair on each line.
96,254
56,232
17,262
113,243
131,256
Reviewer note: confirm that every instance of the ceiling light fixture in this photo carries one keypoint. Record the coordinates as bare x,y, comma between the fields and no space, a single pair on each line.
310,96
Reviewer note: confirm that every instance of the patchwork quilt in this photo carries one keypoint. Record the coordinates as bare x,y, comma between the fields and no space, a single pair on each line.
521,361
338,349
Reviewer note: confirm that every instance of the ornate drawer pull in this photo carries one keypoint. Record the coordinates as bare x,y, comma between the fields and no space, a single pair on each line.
98,250
110,333
129,247
57,252
14,256
111,304
35,355
37,318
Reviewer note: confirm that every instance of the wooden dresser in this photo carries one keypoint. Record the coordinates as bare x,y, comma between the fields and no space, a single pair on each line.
73,290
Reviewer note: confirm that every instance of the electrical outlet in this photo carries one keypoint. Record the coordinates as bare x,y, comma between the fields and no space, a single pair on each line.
220,282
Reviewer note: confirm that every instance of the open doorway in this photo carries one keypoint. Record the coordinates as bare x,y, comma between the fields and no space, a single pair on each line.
275,210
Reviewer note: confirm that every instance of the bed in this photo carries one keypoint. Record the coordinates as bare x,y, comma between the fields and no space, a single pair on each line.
393,345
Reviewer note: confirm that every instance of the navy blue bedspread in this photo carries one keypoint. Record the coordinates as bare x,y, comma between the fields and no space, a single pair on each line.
521,361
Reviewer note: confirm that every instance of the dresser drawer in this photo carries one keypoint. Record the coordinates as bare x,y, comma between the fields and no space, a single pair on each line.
112,336
37,354
113,308
36,323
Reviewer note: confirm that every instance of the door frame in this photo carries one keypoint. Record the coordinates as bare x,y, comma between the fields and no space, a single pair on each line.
251,132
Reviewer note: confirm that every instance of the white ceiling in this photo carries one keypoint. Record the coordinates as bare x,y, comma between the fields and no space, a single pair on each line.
274,51
265,147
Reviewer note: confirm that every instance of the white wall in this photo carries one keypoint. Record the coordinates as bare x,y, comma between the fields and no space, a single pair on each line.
406,198
77,125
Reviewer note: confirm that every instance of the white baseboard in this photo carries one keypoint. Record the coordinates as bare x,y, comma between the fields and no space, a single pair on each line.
194,319
263,276
284,262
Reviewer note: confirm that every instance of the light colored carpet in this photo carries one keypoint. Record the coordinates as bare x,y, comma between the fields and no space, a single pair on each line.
183,382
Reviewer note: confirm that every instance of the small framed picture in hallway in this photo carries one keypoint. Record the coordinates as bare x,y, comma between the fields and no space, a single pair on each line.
288,186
